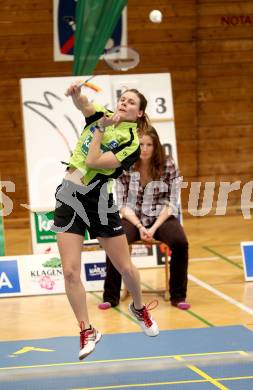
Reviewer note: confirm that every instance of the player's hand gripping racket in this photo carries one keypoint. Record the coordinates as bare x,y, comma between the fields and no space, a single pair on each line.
87,84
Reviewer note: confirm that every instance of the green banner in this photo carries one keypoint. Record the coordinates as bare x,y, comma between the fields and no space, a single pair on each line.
95,22
43,222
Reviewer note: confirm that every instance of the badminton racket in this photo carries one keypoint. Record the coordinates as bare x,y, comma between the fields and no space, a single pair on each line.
87,84
120,58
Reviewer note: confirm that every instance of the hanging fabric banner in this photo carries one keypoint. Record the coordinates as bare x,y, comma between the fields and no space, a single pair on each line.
65,26
95,22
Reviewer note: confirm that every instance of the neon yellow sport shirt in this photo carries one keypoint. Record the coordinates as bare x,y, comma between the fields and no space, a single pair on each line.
122,140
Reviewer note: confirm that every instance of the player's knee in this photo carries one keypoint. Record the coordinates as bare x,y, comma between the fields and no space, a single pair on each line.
127,271
71,274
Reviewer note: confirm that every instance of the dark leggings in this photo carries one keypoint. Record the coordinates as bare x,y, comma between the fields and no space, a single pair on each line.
172,234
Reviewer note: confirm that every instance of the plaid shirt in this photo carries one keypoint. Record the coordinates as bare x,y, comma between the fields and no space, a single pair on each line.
147,202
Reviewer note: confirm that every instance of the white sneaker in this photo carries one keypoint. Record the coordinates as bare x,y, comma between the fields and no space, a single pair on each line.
146,322
88,340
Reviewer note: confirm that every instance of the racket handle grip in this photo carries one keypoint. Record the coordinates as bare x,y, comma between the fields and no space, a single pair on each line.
79,86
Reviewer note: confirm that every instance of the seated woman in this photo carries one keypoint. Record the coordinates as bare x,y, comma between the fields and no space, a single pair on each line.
148,199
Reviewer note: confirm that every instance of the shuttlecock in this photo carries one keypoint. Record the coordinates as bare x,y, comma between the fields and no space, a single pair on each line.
155,16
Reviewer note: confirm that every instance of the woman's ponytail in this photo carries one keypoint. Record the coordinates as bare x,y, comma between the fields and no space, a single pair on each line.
143,123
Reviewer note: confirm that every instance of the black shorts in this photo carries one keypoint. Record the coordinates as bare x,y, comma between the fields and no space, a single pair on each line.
86,207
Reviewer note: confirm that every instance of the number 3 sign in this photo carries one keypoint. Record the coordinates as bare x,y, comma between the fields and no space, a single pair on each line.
160,106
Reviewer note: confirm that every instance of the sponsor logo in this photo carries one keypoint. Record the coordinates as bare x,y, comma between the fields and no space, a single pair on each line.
47,276
117,228
86,144
43,223
113,145
93,128
46,282
236,20
95,271
9,279
142,250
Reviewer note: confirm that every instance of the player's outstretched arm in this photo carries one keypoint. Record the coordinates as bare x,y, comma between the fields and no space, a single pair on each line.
80,101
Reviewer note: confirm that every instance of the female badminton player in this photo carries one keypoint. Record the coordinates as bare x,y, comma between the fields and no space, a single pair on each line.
108,145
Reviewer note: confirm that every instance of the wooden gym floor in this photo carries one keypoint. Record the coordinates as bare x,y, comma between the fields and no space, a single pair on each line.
218,294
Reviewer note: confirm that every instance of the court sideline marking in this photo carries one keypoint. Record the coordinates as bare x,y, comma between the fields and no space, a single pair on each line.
180,358
145,385
225,258
128,359
212,258
217,292
204,375
220,294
